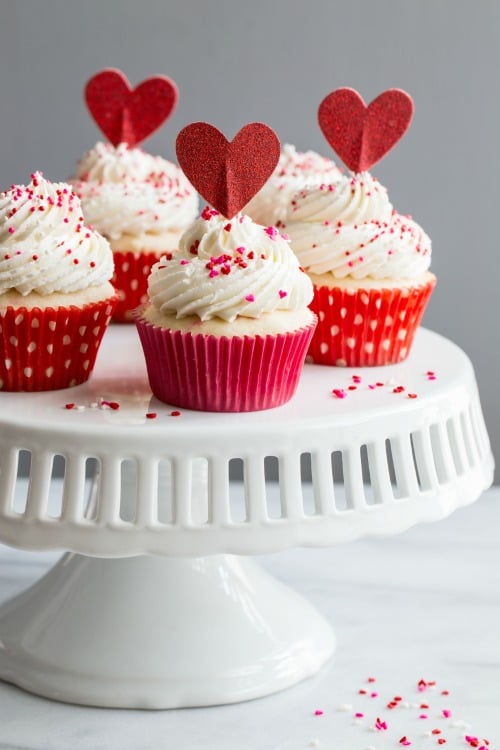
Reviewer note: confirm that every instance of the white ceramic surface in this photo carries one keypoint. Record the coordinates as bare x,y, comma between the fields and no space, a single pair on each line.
422,604
154,632
425,456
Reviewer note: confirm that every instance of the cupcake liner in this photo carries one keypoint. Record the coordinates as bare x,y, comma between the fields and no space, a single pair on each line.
130,279
366,327
224,374
51,348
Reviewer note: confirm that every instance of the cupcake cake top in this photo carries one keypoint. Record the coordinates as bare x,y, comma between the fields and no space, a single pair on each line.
45,246
229,268
349,228
295,171
126,191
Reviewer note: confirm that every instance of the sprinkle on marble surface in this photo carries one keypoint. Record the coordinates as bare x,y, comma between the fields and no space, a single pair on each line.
426,710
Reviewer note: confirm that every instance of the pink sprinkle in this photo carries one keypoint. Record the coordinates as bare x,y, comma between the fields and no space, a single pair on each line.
11,230
250,298
446,713
380,725
213,273
372,386
404,741
184,262
339,393
358,715
271,232
356,378
423,716
282,293
318,712
373,695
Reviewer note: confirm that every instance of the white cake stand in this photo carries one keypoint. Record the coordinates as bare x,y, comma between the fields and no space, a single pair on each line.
155,605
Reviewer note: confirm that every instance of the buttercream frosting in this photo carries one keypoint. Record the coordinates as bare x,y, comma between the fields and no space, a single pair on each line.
225,269
350,229
45,246
126,191
295,170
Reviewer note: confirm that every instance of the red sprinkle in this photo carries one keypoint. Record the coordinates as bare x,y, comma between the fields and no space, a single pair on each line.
441,741
175,414
69,406
339,393
412,395
151,415
114,405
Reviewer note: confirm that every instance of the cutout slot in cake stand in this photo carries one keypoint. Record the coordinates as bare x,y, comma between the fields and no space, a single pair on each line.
156,605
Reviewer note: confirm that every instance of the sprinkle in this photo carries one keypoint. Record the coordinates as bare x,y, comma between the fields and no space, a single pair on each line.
114,405
436,731
175,414
412,395
404,741
340,393
373,695
69,406
361,692
441,741
227,227
380,725
271,232
346,707
423,716
11,230
250,298
151,415
318,712
446,713
282,293
399,389
359,715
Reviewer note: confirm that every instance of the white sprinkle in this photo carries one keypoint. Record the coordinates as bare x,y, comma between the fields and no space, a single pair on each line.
80,407
460,724
94,405
404,704
345,707
314,743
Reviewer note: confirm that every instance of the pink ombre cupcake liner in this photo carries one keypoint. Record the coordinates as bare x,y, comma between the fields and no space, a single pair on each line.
224,374
130,279
366,327
51,348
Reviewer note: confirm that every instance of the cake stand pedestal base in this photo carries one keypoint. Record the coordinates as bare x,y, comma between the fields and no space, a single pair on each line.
153,632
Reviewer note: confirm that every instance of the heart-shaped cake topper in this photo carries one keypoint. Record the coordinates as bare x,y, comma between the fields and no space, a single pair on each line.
361,135
227,174
127,115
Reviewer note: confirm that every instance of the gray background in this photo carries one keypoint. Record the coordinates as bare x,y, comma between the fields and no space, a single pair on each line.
274,60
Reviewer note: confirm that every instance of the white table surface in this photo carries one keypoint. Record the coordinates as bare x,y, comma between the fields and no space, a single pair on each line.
421,605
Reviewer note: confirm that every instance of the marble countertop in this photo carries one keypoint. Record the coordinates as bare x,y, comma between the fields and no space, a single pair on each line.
424,605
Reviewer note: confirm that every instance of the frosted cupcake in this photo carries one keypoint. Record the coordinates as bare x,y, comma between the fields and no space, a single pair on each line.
369,265
227,326
295,171
56,298
141,204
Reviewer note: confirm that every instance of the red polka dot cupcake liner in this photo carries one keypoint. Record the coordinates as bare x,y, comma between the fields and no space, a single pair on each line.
51,348
223,374
130,279
366,327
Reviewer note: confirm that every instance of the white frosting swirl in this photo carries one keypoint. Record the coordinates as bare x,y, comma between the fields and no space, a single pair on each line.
350,229
226,269
295,171
125,191
45,246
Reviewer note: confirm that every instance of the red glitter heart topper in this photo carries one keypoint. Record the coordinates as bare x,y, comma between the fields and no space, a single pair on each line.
359,134
127,115
227,174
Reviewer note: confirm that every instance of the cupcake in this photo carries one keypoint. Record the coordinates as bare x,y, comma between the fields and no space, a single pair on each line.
227,325
295,171
141,204
56,298
369,264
